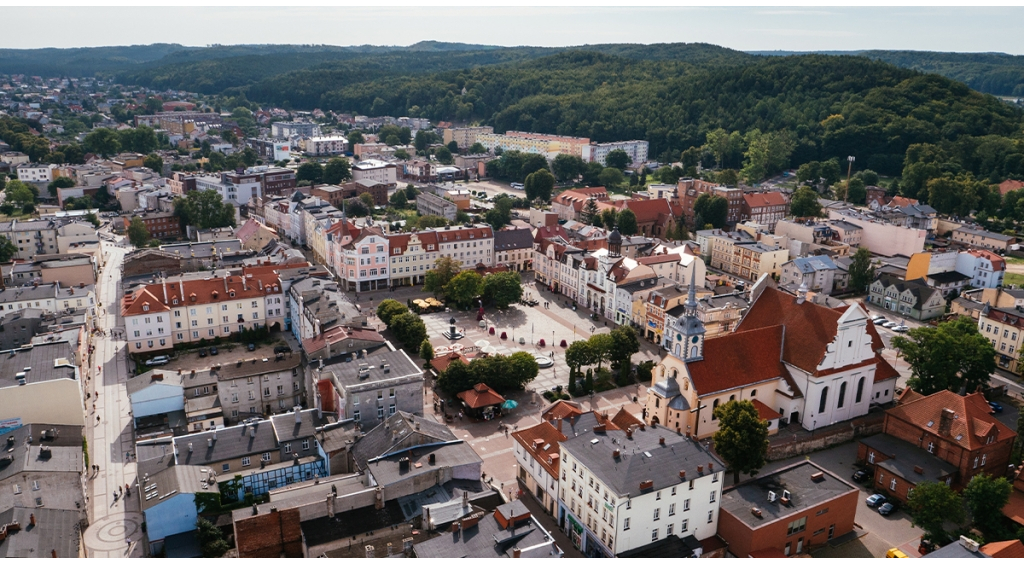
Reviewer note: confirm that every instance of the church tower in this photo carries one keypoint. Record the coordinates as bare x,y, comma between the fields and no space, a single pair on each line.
689,330
615,243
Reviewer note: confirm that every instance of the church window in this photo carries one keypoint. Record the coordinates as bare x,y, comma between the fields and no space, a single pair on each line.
823,401
693,352
732,397
860,390
842,395
753,393
714,406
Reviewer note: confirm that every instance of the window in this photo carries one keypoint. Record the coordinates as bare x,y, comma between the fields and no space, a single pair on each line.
246,461
305,444
823,401
287,448
225,467
975,461
673,490
842,395
654,535
657,513
711,516
871,458
796,526
931,447
712,498
860,390
686,505
265,457
671,509
656,495
625,524
684,525
983,458
892,484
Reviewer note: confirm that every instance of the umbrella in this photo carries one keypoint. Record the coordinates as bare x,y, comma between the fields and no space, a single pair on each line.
489,350
510,404
482,343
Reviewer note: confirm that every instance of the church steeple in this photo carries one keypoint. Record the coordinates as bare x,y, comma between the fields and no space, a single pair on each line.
689,329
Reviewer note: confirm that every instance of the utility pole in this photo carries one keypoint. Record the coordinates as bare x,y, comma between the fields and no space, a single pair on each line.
849,169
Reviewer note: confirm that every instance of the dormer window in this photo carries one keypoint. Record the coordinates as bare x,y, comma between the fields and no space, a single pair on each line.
175,301
231,293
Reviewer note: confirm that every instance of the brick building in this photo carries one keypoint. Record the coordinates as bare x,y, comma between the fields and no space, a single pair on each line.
689,189
161,225
766,208
787,512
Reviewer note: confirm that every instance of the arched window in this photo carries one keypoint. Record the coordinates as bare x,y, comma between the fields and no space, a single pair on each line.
823,401
732,397
693,352
677,350
713,407
842,395
686,384
860,390
675,373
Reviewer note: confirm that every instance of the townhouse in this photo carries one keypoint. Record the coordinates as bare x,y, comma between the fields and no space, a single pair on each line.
910,298
160,225
741,255
689,189
816,273
360,257
33,237
412,255
469,245
514,249
371,387
1004,327
765,208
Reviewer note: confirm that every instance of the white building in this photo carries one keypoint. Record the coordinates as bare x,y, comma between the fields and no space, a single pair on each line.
333,145
470,245
985,268
377,171
623,489
596,152
36,172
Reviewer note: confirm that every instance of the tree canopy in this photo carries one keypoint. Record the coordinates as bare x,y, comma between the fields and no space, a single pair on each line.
336,171
204,209
742,437
953,356
805,203
539,185
445,268
138,234
931,504
502,288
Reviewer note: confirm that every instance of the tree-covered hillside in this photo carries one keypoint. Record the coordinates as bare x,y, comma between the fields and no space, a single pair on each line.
994,73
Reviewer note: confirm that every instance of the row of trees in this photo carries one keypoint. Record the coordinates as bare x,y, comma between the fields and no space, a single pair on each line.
336,171
616,347
463,287
952,356
204,209
934,504
503,373
407,327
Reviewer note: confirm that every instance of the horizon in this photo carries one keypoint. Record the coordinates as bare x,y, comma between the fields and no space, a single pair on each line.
759,28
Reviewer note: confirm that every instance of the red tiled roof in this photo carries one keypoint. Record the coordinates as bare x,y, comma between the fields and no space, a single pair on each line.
480,395
658,259
739,359
1004,549
901,202
441,363
337,334
998,263
648,211
142,301
972,422
764,199
1007,186
562,409
624,419
534,441
464,234
200,292
765,412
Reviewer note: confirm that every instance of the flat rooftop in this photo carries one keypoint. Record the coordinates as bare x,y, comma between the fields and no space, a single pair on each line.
804,492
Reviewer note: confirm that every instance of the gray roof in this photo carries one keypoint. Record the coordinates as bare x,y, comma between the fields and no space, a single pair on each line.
387,471
27,313
356,522
955,550
28,292
486,539
55,530
910,458
968,303
804,493
919,289
947,277
398,363
983,233
624,474
397,433
845,225
512,239
59,474
243,369
286,428
50,361
165,483
205,248
808,265
152,378
230,443
918,210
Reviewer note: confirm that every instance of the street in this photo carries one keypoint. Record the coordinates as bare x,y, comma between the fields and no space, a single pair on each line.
116,525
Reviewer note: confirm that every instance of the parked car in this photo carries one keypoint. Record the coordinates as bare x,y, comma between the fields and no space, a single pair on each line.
886,508
875,500
518,186
213,351
158,360
252,347
995,407
861,476
880,320
282,349
890,324
901,328
202,353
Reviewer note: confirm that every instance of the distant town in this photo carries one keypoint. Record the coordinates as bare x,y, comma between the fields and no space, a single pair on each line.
230,329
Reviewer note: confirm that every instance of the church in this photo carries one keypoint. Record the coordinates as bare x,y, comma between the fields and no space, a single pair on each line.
798,362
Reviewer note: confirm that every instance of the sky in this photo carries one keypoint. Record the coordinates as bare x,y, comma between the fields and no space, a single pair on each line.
801,28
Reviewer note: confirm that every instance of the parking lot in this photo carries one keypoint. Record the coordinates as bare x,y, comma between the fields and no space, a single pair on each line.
227,353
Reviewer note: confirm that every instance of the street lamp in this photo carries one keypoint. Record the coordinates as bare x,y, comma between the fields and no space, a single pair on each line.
849,169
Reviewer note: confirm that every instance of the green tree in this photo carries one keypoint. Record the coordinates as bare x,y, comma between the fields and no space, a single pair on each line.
8,250
402,154
102,141
985,497
456,378
539,184
728,177
501,214
477,149
502,288
204,209
609,218
411,192
430,222
463,288
612,178
424,139
953,356
19,194
618,159
862,272
627,222
154,162
601,346
579,354
398,199
869,177
409,329
443,155
453,147
59,182
856,192
931,504
336,171
805,203
138,235
592,174
589,213
426,351
91,218
767,153
624,345
567,167
522,369
388,309
588,383
445,268
367,201
310,171
356,207
742,437
211,540
355,138
712,208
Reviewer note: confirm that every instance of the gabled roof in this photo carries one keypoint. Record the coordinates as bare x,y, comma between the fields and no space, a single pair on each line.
1004,549
648,211
972,420
562,409
659,259
399,432
764,199
739,359
541,442
480,395
513,239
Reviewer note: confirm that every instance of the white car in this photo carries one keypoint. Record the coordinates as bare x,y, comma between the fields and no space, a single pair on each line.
518,186
543,361
901,329
880,321
890,324
158,360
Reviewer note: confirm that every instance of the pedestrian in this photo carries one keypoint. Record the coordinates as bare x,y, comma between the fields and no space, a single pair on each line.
97,419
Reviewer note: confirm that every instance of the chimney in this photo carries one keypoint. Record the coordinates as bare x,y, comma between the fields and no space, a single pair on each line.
700,469
369,551
918,470
225,284
516,552
32,520
945,421
330,506
245,285
559,426
682,474
465,499
629,433
53,553
661,441
164,284
711,466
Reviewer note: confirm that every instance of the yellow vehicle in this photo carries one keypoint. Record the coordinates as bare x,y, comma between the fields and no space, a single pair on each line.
895,553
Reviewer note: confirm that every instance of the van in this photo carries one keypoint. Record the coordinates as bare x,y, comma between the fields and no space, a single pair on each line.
895,553
518,186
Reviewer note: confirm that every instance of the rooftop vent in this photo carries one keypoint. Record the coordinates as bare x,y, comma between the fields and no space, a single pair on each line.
817,476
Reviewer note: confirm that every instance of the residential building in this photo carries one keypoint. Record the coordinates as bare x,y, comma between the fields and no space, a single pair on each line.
807,363
765,208
549,146
787,512
636,150
50,298
341,340
18,327
322,146
719,314
514,249
912,298
815,273
1004,326
313,306
360,256
160,225
255,236
51,392
377,171
419,249
973,237
14,158
253,387
35,172
984,269
465,137
418,170
569,204
432,204
371,388
33,237
288,129
689,189
950,437
623,489
272,149
167,496
882,238
510,532
741,255
337,194
470,245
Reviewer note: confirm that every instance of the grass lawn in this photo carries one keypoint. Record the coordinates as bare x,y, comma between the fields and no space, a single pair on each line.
1013,260
1011,278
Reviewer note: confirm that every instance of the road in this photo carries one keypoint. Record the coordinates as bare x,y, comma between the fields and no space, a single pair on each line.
116,526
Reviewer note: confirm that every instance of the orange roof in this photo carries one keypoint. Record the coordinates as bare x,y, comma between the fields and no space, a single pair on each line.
901,202
481,395
561,409
199,292
142,301
738,359
1004,549
1014,508
765,412
998,263
647,211
764,199
340,333
541,442
464,234
972,421
1009,186
441,363
658,259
